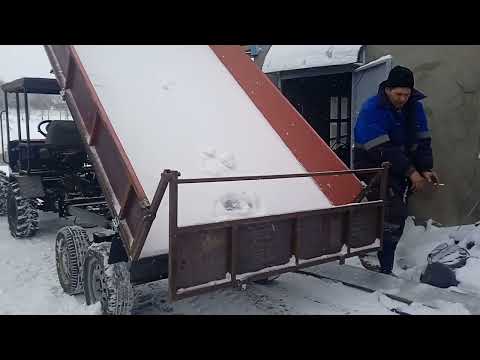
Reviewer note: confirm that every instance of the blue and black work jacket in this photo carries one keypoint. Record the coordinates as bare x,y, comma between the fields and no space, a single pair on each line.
401,137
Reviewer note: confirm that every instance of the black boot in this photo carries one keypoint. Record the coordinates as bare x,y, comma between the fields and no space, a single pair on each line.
387,255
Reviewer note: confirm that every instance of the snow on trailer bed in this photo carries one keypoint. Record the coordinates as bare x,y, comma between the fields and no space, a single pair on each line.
183,110
197,120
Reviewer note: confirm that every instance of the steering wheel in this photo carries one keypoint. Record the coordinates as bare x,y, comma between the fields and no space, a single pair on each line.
39,127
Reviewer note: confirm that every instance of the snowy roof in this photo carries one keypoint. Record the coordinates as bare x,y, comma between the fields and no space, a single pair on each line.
32,86
293,57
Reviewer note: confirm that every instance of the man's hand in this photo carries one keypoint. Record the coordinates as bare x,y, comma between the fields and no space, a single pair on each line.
418,181
431,177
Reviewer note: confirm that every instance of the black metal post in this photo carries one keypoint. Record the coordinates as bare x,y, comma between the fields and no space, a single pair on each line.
17,98
349,130
8,122
234,253
8,127
27,119
339,120
1,131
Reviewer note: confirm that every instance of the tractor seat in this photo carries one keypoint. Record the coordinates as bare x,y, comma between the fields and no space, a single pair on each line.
63,133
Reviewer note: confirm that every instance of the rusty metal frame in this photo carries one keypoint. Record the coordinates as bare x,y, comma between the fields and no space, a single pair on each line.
233,225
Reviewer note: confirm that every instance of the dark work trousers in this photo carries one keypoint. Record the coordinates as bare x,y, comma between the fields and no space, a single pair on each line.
396,212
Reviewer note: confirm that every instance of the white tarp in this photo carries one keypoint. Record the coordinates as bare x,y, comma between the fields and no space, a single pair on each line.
293,57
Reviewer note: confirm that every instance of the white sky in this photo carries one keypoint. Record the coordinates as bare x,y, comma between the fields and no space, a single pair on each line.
18,61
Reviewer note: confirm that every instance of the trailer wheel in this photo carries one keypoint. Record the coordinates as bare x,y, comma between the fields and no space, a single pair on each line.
108,283
22,214
71,248
4,185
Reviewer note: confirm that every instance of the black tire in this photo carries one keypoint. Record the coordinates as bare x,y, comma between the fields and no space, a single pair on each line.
108,283
4,186
71,248
22,214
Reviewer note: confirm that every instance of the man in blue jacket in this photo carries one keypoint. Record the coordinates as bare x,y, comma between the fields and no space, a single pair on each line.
392,126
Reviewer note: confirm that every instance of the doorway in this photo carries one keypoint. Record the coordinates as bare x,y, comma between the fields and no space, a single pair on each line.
325,102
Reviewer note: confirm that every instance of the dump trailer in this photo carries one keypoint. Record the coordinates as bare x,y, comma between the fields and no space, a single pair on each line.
212,178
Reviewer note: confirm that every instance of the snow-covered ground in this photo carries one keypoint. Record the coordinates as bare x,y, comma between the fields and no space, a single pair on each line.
418,241
28,276
29,285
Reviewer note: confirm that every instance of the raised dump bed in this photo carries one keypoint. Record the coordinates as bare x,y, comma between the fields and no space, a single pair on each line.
253,191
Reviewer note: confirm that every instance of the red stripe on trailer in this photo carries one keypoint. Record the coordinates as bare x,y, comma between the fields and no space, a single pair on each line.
302,140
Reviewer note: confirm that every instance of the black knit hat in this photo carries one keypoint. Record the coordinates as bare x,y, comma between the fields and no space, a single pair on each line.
400,77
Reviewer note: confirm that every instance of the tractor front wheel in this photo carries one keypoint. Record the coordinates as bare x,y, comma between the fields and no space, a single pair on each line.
22,214
4,186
